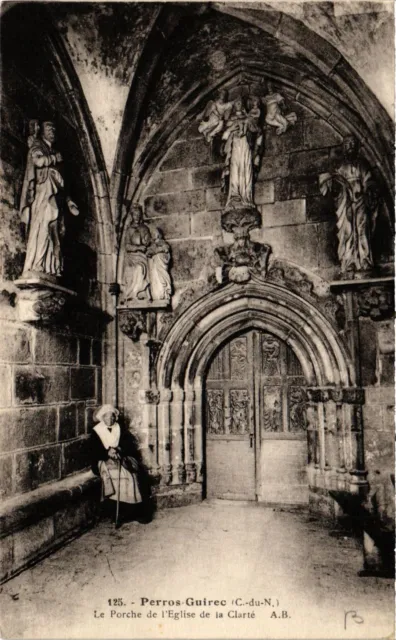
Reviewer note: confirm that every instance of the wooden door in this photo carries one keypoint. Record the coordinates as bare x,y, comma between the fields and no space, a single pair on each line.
230,422
283,444
254,404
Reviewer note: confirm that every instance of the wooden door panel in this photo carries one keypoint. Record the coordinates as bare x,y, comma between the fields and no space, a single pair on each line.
230,464
256,421
229,406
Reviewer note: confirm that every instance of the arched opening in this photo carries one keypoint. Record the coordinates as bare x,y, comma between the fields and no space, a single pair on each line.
333,433
255,421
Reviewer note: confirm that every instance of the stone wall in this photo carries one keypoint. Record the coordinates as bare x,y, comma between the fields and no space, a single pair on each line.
379,414
50,385
184,198
50,378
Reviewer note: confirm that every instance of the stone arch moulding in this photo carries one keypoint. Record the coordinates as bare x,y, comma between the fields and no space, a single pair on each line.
334,433
352,109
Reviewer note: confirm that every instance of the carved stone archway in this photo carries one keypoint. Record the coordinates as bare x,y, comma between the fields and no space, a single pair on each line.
335,437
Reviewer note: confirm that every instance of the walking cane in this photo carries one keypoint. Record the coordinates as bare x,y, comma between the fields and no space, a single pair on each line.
118,494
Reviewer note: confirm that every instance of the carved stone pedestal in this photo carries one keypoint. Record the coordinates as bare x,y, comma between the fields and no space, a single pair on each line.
41,298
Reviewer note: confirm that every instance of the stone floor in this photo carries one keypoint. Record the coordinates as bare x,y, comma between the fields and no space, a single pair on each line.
280,574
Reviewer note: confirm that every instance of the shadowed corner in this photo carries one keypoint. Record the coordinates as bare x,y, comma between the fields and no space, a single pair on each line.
375,530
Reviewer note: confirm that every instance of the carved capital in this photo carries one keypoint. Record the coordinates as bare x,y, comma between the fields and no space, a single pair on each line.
353,395
149,396
349,395
336,395
132,323
314,395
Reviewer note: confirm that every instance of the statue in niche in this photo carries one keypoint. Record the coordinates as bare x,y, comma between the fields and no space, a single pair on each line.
158,253
357,203
274,117
41,203
216,113
137,243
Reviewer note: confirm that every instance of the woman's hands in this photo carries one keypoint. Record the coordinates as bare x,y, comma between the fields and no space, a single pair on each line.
113,454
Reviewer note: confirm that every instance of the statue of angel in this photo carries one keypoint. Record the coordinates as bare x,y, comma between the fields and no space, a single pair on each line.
274,116
216,114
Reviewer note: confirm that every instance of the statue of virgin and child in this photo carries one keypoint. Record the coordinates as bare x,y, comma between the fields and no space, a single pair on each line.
240,126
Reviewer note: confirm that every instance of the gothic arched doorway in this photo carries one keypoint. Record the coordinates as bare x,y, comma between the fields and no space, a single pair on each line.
255,421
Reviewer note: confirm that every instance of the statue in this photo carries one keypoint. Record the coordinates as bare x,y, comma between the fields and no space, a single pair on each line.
242,139
138,240
216,113
274,116
158,253
357,203
148,280
41,208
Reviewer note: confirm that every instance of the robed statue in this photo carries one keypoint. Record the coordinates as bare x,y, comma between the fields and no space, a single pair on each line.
41,203
159,258
357,202
137,241
243,139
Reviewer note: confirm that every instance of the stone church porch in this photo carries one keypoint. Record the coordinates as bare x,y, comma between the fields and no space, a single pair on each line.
219,550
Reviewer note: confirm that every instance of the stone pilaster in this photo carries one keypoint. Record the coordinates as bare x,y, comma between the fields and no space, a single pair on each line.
164,436
189,432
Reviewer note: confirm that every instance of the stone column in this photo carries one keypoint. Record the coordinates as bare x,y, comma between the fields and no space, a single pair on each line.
315,398
198,427
331,440
149,400
355,397
177,436
312,441
340,437
164,436
189,434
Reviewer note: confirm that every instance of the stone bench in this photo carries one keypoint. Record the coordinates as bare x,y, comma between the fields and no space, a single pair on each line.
34,524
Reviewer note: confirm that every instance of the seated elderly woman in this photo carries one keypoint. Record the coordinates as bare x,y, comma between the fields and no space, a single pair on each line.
113,459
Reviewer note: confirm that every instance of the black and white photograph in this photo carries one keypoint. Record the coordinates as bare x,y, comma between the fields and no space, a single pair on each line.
197,334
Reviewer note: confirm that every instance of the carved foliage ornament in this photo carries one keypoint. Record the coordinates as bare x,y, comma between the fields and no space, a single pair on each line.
241,260
376,302
349,395
132,323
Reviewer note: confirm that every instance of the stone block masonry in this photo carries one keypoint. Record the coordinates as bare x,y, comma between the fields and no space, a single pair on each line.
33,525
51,383
184,197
